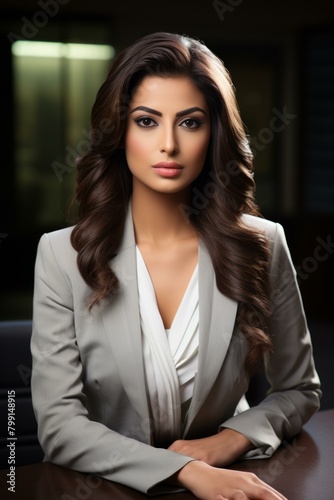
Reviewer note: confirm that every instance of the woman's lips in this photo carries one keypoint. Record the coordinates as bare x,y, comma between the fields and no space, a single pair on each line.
168,168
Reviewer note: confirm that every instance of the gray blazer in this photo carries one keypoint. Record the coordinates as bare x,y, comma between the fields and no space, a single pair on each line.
88,383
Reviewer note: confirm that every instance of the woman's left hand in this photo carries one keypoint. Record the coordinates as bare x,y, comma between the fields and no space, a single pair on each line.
218,450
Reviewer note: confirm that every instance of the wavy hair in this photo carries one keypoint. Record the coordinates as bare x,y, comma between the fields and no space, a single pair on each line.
222,193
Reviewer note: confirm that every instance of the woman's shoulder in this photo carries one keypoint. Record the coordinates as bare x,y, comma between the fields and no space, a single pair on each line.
58,242
273,231
59,236
268,226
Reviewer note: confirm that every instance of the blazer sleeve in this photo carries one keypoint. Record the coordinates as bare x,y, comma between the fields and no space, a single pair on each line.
294,392
67,435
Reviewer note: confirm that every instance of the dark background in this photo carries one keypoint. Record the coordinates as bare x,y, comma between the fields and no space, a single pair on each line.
281,59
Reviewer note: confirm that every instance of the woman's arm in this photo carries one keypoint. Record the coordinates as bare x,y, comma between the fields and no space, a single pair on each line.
67,435
295,389
218,450
294,393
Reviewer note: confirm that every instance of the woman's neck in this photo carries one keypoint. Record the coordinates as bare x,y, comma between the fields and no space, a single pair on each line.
158,218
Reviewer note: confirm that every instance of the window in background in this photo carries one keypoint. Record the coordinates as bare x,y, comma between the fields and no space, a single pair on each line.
319,123
55,87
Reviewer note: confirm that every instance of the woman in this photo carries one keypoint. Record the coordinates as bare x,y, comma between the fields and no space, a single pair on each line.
152,313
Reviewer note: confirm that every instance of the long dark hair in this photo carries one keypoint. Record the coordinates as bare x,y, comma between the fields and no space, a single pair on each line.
222,193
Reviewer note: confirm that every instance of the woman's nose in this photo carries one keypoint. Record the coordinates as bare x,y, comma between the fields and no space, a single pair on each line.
169,143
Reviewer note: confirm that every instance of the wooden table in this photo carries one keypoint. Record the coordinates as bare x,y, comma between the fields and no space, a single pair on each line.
302,469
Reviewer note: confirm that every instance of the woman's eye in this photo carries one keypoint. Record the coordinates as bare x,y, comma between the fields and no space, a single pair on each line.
145,122
190,123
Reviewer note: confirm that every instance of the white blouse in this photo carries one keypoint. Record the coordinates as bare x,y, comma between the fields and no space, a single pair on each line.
170,356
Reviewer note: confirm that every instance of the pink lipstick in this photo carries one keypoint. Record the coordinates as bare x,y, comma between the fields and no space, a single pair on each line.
168,168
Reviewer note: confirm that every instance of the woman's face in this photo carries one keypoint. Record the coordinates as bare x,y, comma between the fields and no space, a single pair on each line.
168,132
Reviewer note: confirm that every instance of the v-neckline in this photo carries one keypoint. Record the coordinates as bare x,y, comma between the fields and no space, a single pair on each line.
184,298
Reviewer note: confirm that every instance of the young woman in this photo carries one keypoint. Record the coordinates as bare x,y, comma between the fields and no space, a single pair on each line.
153,312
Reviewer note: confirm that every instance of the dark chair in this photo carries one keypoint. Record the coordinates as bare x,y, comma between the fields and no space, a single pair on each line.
15,375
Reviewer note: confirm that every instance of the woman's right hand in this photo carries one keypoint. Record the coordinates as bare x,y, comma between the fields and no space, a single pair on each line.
211,483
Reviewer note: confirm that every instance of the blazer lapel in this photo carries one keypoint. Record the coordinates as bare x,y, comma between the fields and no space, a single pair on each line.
217,314
121,318
122,322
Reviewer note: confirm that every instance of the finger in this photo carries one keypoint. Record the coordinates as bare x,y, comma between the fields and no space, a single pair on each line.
239,495
176,445
269,488
277,494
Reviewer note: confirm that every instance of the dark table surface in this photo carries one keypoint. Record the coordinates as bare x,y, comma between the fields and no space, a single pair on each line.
302,469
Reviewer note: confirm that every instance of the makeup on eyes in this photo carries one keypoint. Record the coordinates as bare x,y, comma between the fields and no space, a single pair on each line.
194,119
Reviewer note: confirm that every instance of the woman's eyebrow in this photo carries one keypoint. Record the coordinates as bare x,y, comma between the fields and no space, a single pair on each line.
148,110
158,113
190,110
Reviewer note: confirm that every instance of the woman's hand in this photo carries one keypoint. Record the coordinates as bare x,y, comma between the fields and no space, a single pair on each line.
219,450
210,483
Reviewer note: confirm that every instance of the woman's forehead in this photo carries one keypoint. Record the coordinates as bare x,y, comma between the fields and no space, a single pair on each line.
168,91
